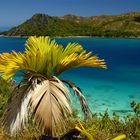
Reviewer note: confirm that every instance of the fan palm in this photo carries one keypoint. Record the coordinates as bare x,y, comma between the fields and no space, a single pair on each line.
41,94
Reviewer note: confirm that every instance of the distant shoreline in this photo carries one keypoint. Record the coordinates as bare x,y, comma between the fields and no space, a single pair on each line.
25,37
5,36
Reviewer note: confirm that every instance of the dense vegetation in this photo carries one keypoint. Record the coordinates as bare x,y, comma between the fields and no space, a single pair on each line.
4,94
124,25
101,127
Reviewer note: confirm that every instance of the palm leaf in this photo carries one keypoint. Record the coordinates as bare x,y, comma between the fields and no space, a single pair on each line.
51,106
47,58
83,102
77,60
47,101
10,63
16,113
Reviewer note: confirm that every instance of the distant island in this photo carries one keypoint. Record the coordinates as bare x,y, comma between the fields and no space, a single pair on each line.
123,25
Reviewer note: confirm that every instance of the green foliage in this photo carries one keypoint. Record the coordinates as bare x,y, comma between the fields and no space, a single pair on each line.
4,94
124,25
104,127
136,107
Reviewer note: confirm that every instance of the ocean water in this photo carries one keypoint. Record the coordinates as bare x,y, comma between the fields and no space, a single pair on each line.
113,88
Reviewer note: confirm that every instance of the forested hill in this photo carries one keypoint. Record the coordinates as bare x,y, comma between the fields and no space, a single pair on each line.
123,25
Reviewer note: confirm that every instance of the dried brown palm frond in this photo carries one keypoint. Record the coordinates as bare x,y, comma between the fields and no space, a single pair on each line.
50,105
83,102
16,112
47,101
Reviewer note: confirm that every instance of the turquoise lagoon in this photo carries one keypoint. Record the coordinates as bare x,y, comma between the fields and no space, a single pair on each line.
113,88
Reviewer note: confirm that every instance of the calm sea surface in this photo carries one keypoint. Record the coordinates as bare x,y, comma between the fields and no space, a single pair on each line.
113,88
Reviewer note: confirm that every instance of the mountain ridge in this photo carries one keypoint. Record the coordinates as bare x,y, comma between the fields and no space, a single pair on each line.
121,25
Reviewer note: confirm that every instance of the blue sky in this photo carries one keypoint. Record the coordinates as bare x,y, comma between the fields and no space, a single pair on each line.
14,12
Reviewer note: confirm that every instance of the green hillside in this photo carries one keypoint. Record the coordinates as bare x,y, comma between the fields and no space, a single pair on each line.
123,25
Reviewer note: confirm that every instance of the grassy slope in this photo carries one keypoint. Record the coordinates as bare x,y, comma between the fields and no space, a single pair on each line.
124,25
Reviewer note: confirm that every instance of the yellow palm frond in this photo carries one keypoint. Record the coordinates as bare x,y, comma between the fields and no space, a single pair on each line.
41,55
10,63
47,58
77,60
